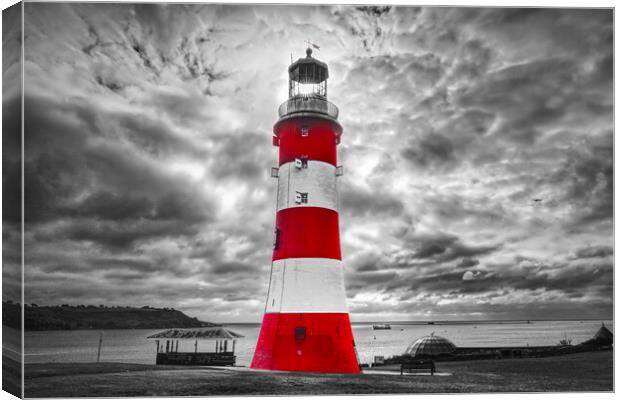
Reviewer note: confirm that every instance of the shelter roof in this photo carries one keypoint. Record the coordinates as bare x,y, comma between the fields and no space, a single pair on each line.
430,346
216,332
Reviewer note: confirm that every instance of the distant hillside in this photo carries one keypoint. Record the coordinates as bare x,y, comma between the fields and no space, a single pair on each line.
65,317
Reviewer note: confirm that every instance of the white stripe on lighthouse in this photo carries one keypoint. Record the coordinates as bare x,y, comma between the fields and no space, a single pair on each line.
306,285
317,180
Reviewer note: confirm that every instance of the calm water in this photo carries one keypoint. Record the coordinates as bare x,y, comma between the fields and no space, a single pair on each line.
123,345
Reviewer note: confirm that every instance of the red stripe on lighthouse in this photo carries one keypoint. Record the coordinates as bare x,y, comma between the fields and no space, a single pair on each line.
307,232
311,342
318,143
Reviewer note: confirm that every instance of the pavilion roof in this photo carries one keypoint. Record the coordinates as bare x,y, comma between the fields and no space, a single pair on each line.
216,332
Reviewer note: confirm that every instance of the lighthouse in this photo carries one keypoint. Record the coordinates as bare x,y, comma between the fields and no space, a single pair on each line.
306,323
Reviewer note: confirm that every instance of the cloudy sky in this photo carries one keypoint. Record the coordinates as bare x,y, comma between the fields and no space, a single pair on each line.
477,150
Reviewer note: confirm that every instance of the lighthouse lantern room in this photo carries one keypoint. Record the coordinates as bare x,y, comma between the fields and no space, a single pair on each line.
308,77
306,323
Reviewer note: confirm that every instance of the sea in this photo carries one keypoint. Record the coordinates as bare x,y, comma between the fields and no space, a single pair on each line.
132,345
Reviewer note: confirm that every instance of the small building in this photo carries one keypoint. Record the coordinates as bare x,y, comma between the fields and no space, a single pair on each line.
604,335
603,338
167,346
430,346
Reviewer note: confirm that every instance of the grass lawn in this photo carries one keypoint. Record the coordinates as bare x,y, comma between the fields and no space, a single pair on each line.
592,371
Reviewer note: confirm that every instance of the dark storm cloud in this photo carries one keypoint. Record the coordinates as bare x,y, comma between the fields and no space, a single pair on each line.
359,201
449,145
528,108
365,262
431,151
124,235
445,247
590,182
535,308
473,122
124,276
426,69
584,181
137,265
399,78
473,60
11,160
151,134
243,156
374,11
560,277
437,282
232,268
567,31
60,175
364,280
456,207
585,278
594,252
467,263
112,206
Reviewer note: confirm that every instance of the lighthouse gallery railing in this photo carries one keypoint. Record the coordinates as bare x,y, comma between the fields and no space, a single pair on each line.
308,104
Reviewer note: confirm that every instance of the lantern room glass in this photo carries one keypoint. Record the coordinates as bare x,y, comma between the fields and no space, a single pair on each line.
308,79
298,89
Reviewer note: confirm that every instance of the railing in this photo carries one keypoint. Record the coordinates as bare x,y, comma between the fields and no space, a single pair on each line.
308,104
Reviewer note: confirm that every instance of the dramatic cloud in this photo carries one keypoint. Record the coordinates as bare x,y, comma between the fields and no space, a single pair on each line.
477,153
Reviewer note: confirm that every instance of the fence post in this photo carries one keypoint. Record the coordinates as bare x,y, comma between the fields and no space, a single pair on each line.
99,349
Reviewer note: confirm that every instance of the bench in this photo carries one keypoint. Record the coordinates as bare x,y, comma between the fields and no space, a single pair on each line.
410,366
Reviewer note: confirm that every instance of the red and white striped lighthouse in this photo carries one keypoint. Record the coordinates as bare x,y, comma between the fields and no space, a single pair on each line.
306,324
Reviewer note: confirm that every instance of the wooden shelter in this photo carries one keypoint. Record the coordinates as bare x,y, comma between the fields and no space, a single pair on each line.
167,345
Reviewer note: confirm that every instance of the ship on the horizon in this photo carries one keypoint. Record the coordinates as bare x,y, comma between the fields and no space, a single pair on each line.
381,326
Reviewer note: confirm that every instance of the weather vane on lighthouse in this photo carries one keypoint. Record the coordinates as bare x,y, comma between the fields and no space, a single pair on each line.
310,44
306,323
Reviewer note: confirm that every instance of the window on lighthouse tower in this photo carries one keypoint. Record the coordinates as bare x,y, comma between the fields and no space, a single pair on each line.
276,239
301,162
301,198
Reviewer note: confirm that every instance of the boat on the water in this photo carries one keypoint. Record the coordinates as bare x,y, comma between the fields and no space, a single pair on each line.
381,326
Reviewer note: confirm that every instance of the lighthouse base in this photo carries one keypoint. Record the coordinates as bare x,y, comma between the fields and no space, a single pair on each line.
308,342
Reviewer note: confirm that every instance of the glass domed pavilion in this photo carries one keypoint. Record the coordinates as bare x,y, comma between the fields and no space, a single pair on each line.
430,346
